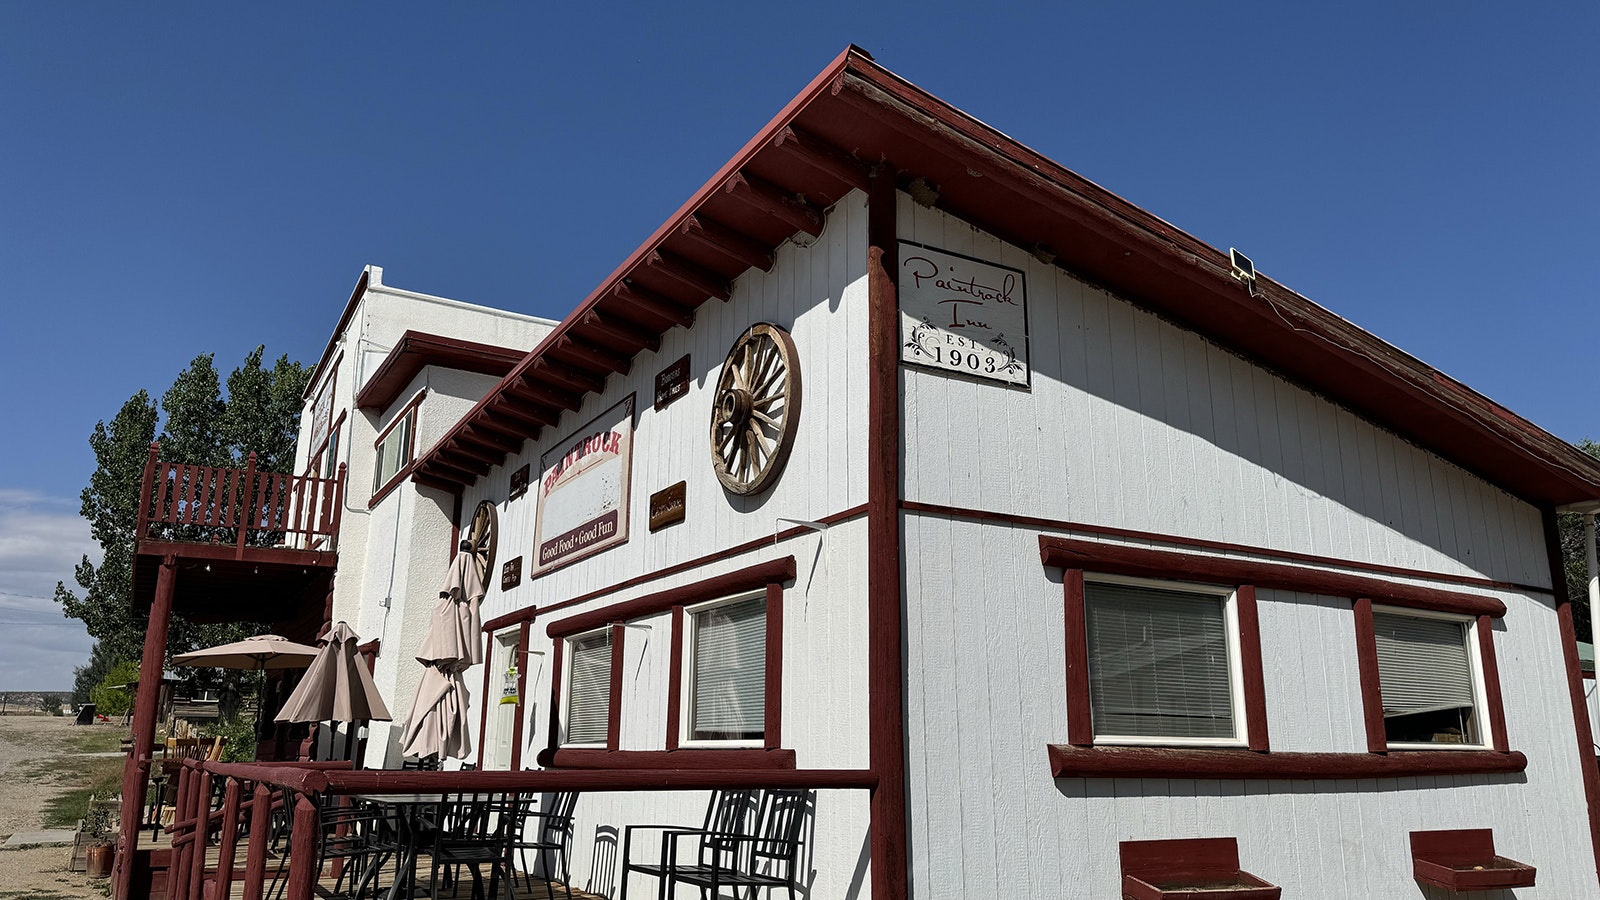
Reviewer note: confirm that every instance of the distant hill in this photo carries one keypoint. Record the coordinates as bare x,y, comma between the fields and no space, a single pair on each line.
20,703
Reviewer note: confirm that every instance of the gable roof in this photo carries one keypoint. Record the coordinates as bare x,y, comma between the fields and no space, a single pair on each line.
856,115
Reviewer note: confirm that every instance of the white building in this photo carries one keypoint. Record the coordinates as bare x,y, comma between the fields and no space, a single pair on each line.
1072,534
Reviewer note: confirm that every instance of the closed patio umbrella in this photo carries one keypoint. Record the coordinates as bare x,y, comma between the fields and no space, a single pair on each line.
437,722
337,686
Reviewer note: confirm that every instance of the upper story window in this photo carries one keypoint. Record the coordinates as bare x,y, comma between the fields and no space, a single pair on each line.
1163,662
329,461
394,451
589,688
727,671
1428,682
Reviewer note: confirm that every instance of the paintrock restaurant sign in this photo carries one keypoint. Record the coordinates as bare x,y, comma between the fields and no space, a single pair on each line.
960,314
583,490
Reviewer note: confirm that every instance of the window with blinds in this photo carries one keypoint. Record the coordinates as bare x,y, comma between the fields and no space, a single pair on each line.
589,688
394,452
1425,677
1160,664
728,653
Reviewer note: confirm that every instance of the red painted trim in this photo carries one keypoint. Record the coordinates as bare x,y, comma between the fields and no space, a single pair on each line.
772,726
410,409
333,340
1150,563
675,680
692,758
1371,684
483,711
1080,726
1255,682
1067,761
614,707
529,613
983,515
553,730
416,350
746,579
522,696
455,529
1580,706
885,592
1491,685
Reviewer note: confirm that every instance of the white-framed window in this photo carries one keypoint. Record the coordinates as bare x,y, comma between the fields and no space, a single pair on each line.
1163,662
394,450
329,463
726,663
1430,680
588,689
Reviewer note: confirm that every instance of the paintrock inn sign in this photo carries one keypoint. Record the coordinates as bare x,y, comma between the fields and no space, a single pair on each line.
965,315
583,490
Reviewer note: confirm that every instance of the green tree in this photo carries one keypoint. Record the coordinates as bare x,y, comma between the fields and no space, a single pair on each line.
110,697
199,425
86,676
1574,559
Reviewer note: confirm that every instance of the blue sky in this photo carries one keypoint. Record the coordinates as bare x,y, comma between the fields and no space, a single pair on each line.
204,177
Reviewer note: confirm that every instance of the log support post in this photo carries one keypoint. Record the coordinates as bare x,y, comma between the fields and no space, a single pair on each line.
255,866
228,839
136,772
303,862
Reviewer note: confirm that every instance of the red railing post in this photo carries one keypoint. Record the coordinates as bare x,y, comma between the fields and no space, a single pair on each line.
303,862
255,507
255,866
145,491
202,835
178,867
228,840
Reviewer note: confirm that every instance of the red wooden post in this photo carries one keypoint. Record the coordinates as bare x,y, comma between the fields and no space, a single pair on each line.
135,778
202,835
255,865
303,862
338,508
249,495
178,867
228,840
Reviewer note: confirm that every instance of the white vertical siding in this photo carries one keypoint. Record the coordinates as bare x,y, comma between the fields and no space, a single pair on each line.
1134,422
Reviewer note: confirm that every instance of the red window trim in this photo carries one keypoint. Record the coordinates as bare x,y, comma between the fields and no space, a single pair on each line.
689,758
411,447
1371,687
769,575
1067,761
1067,553
1080,727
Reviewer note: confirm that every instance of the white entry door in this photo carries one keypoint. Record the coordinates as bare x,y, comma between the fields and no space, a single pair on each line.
502,716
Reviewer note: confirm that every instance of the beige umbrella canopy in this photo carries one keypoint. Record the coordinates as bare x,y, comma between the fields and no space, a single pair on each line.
262,651
436,725
337,687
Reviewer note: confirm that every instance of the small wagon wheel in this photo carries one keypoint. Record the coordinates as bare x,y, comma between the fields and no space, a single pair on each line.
483,533
755,410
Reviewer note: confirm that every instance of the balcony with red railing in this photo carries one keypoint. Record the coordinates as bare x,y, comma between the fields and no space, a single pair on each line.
248,545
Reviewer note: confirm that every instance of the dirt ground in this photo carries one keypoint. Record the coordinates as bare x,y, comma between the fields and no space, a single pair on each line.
38,763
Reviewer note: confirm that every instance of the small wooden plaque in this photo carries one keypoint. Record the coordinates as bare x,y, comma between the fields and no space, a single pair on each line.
511,574
667,506
672,382
519,482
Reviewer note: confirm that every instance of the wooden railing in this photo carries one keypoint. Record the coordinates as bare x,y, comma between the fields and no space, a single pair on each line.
251,791
243,507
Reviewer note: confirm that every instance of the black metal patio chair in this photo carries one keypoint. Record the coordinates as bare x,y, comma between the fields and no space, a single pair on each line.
552,833
767,859
479,830
727,813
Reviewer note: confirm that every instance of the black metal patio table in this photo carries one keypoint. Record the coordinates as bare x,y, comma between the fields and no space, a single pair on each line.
410,810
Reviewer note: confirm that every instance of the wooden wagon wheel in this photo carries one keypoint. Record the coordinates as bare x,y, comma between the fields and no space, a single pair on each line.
483,534
755,410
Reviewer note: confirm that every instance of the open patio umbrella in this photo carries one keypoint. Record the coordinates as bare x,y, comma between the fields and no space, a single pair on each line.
436,725
257,653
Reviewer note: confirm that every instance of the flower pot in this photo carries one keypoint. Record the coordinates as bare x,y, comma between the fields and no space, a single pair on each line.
99,860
